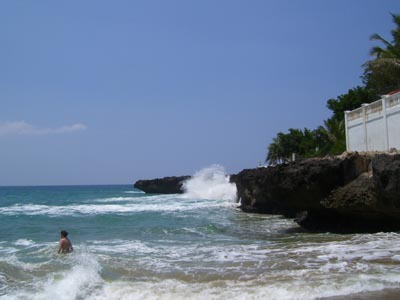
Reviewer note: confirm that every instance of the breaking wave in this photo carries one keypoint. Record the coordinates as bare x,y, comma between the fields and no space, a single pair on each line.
210,183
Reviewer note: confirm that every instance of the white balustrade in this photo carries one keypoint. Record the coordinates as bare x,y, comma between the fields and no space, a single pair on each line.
374,126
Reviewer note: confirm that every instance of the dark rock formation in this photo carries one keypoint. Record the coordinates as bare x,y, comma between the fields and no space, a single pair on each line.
386,177
349,193
166,185
354,192
290,188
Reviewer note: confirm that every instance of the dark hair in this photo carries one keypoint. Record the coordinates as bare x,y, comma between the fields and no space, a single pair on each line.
64,233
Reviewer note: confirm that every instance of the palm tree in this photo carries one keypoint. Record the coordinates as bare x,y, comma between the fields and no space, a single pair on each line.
273,157
301,142
276,153
382,74
335,131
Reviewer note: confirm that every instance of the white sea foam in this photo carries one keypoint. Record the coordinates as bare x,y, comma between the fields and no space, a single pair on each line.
134,199
210,183
14,261
121,247
24,242
84,282
134,192
244,258
159,203
16,256
7,250
79,282
302,271
117,199
222,289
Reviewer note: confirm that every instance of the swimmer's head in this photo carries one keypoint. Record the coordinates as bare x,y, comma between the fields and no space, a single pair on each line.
64,233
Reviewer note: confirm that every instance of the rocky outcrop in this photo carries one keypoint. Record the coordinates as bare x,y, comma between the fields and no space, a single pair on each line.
349,193
166,185
289,188
354,192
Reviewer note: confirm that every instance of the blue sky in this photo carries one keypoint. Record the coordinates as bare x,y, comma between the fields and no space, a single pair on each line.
98,91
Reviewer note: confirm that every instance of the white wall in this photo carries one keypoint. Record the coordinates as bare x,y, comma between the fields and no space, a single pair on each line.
374,126
356,138
394,128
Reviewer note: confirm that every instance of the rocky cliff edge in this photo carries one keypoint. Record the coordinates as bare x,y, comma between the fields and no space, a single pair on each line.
354,192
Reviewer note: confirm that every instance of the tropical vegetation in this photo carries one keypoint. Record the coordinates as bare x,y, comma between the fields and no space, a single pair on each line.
381,76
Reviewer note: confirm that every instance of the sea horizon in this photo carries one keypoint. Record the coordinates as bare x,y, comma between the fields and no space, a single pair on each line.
61,185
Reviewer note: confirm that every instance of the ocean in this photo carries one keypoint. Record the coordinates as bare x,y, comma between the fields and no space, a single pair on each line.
197,245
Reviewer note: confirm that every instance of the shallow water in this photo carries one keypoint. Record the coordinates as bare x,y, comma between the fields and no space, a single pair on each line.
129,245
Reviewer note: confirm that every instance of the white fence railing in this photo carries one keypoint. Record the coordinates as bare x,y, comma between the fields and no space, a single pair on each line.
374,126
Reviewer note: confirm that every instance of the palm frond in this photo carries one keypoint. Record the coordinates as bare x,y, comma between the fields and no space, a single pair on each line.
377,37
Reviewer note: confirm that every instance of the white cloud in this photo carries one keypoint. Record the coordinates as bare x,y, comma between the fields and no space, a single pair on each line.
23,128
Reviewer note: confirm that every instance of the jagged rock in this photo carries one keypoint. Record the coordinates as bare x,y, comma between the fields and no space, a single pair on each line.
290,188
166,185
354,192
360,194
349,193
386,176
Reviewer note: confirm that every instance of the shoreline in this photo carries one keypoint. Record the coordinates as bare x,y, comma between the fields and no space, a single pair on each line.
385,294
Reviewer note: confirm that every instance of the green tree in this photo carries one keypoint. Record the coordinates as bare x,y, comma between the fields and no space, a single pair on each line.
275,153
382,73
335,133
349,101
304,143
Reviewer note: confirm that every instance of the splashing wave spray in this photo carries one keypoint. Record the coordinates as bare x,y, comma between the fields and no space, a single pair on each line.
210,183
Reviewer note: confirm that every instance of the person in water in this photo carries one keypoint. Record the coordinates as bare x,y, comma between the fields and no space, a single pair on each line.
65,243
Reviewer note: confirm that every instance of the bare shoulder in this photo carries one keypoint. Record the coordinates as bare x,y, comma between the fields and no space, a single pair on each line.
64,242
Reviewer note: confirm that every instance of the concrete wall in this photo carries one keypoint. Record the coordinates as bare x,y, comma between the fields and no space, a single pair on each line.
374,126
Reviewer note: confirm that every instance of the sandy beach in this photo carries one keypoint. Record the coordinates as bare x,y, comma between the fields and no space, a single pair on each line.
387,294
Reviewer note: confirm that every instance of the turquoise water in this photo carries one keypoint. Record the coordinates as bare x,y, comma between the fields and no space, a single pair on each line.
129,245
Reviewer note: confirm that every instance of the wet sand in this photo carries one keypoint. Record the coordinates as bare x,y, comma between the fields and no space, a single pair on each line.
388,294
